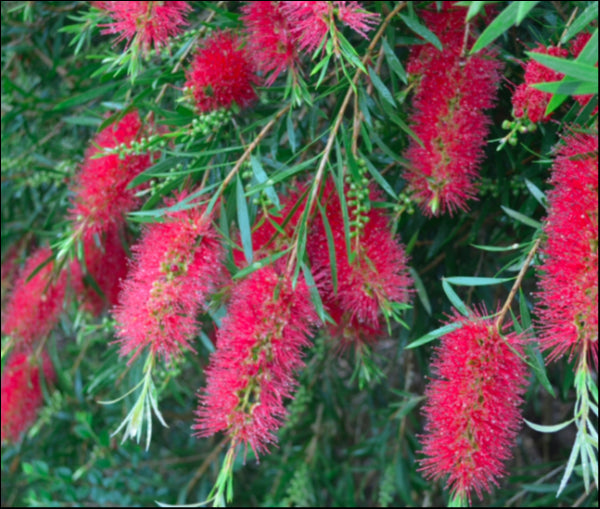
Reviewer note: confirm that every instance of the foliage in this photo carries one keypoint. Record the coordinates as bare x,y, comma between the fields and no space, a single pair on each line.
315,161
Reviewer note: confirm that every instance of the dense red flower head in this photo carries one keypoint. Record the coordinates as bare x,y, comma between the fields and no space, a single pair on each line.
34,307
528,101
449,117
472,410
177,263
375,277
222,73
105,261
568,300
101,198
259,350
270,42
311,21
21,393
144,24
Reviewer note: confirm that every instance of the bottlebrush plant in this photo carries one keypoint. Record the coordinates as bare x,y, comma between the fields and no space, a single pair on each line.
344,253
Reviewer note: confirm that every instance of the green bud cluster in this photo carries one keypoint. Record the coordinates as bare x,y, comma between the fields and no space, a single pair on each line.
521,125
358,201
405,204
208,123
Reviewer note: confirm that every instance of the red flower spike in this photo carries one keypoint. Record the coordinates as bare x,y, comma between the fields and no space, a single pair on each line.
176,265
472,410
21,393
451,96
568,300
222,74
259,349
34,307
270,42
311,21
530,102
144,24
377,277
101,198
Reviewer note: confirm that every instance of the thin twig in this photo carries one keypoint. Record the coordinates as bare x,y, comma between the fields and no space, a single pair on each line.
517,284
338,123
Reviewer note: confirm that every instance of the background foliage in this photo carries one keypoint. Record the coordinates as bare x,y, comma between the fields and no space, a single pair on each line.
343,445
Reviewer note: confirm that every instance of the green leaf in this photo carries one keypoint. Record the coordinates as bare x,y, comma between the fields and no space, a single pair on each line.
381,88
477,281
582,21
314,292
430,336
513,14
536,361
158,168
570,68
474,9
86,96
263,262
330,247
421,291
263,180
537,193
243,220
548,429
380,179
524,8
422,30
498,249
522,218
566,87
394,64
454,298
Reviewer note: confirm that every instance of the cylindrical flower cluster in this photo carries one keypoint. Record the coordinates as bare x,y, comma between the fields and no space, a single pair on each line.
371,276
177,264
532,103
452,93
259,350
144,24
21,392
277,32
472,410
222,74
101,197
568,300
35,304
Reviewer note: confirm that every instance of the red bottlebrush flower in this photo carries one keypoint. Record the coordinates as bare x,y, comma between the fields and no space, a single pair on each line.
472,410
222,74
376,277
101,196
34,306
97,257
529,102
145,24
568,300
177,264
311,21
21,393
270,42
259,349
449,118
